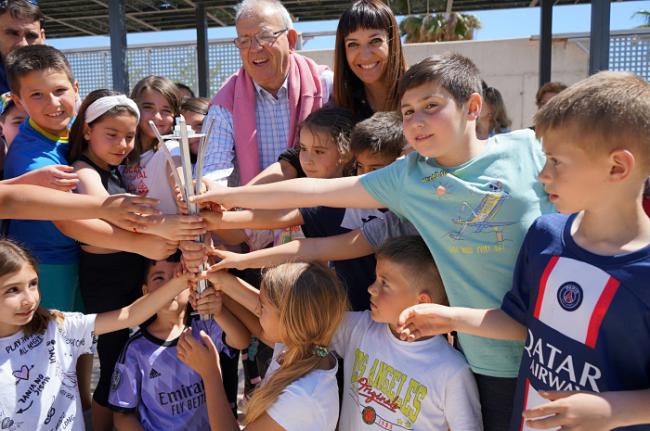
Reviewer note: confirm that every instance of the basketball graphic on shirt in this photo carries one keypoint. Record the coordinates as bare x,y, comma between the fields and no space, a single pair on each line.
369,415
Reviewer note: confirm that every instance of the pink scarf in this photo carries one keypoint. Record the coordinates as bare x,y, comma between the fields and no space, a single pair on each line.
305,96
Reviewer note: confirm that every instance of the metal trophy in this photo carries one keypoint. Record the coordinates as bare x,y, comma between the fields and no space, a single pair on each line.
182,133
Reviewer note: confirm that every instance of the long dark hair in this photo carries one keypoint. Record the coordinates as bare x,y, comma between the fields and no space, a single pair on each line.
12,258
367,14
169,91
338,124
499,120
78,143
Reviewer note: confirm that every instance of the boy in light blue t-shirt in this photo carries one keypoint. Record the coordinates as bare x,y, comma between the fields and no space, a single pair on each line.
471,200
580,294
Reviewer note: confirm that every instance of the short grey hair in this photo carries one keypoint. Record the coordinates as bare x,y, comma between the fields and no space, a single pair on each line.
248,6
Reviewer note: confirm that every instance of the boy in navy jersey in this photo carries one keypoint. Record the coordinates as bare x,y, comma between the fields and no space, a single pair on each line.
580,295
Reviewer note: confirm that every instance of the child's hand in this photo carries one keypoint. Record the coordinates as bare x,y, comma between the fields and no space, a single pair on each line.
131,212
215,193
424,320
179,227
59,177
194,255
180,202
228,260
216,277
208,302
182,205
576,411
204,360
155,247
213,217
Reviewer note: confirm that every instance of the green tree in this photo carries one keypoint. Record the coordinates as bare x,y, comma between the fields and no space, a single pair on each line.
439,27
646,16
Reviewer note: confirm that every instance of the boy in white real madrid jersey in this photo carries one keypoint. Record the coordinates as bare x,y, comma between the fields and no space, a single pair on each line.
581,295
390,384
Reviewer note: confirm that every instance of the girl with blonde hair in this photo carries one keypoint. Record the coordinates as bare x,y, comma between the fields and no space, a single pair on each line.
297,309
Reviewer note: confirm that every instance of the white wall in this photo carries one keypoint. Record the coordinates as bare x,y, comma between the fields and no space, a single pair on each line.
509,65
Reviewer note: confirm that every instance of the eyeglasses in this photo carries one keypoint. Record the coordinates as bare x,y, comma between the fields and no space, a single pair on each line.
263,38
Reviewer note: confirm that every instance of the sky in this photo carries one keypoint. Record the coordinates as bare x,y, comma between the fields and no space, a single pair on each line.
497,24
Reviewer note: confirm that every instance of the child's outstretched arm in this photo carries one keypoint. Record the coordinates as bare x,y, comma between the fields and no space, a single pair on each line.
142,308
349,245
242,300
58,177
28,202
237,335
105,235
179,227
278,171
344,192
236,288
252,219
424,320
204,359
587,411
248,318
211,302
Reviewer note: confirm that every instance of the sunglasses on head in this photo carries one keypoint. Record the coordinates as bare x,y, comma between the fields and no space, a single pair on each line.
5,3
6,102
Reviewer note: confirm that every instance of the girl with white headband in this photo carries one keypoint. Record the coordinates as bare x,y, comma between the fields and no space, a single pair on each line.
101,138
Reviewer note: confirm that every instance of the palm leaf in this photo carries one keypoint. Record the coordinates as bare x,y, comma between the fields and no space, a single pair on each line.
646,15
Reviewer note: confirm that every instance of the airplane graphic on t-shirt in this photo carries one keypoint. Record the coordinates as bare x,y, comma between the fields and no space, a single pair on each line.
482,216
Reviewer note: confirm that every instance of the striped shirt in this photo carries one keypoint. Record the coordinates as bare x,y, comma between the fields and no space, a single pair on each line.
272,120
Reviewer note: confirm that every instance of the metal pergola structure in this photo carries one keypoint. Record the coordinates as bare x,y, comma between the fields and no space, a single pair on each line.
66,18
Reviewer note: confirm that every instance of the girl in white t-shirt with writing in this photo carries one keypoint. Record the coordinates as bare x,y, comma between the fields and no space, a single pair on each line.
39,348
297,310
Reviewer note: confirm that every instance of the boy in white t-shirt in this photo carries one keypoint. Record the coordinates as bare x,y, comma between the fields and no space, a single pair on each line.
392,384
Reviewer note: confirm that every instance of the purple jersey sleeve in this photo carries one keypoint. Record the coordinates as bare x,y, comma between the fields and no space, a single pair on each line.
215,332
125,384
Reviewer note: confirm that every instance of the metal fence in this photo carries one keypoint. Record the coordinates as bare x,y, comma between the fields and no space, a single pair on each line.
629,51
176,61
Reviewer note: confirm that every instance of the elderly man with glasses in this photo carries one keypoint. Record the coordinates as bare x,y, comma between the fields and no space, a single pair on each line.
21,23
258,110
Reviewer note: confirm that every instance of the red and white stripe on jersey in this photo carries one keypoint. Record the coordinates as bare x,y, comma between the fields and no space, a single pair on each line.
532,399
598,290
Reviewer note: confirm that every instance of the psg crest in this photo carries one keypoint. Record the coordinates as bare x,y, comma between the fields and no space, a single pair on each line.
569,295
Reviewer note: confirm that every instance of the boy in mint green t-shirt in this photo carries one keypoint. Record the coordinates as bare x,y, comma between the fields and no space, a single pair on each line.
471,200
